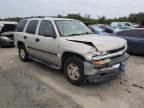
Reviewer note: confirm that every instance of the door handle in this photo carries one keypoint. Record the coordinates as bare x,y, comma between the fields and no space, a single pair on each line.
37,40
25,37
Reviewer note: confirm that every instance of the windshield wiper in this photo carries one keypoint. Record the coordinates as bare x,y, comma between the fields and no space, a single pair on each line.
74,34
86,33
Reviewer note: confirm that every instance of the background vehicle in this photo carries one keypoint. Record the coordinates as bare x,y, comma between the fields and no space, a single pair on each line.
6,33
101,29
70,45
106,28
116,25
123,28
96,29
135,39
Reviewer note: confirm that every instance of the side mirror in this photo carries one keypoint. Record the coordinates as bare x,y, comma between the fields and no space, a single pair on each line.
54,36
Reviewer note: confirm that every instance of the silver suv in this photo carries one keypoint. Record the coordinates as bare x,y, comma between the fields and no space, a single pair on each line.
69,45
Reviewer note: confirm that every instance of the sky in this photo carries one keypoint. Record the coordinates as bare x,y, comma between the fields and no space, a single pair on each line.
95,8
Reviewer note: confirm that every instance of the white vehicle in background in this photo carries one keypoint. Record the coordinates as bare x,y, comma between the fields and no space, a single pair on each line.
122,28
121,25
118,26
69,45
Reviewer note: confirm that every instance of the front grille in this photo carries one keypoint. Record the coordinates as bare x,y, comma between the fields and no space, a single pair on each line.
116,50
116,57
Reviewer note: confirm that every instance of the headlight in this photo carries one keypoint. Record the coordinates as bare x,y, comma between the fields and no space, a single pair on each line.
100,53
6,38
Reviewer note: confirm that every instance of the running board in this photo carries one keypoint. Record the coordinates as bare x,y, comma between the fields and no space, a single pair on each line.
45,62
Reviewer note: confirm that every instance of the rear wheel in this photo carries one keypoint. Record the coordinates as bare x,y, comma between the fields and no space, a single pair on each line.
74,70
23,53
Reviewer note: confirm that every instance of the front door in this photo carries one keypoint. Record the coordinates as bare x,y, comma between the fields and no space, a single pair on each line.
47,45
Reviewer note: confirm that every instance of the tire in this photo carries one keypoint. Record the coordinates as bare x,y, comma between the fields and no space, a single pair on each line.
23,53
74,70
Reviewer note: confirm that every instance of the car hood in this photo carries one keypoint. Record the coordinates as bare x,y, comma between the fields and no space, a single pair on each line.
101,42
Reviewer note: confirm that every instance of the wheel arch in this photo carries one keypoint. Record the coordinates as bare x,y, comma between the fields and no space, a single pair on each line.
67,54
19,43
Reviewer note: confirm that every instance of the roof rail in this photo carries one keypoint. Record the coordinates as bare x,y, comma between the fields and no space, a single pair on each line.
38,17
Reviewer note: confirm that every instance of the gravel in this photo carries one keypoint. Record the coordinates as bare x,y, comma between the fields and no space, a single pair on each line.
33,85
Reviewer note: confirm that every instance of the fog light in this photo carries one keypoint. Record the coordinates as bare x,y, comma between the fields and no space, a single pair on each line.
95,62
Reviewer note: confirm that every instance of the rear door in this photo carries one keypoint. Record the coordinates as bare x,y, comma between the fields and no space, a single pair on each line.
126,34
135,39
139,36
31,38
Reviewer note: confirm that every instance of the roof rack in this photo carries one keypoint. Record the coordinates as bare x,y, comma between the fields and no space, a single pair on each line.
38,17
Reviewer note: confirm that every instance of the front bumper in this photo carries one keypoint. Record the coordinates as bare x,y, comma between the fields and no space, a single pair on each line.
106,72
7,43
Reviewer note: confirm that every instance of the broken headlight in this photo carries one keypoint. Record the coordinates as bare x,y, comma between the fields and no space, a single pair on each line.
100,53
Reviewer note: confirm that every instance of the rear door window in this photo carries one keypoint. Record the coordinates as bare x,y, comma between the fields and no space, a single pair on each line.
31,28
21,25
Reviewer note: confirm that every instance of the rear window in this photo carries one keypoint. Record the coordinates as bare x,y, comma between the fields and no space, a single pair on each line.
31,28
21,25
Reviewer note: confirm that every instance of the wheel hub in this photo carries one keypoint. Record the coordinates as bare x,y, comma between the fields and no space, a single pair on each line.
22,53
73,71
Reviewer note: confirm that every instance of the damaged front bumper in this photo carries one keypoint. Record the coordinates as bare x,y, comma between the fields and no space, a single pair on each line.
106,71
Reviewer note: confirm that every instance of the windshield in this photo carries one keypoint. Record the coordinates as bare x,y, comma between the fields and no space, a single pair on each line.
71,28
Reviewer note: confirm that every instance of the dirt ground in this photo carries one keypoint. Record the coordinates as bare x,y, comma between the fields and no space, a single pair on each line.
33,85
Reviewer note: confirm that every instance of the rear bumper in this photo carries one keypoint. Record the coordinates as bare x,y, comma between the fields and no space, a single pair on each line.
106,72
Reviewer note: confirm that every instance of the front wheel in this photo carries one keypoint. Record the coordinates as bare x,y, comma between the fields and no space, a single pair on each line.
23,53
74,70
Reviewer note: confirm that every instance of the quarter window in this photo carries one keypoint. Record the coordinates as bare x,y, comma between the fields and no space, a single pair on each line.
21,25
46,28
31,28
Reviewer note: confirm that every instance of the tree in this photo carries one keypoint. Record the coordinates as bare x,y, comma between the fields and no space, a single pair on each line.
134,18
